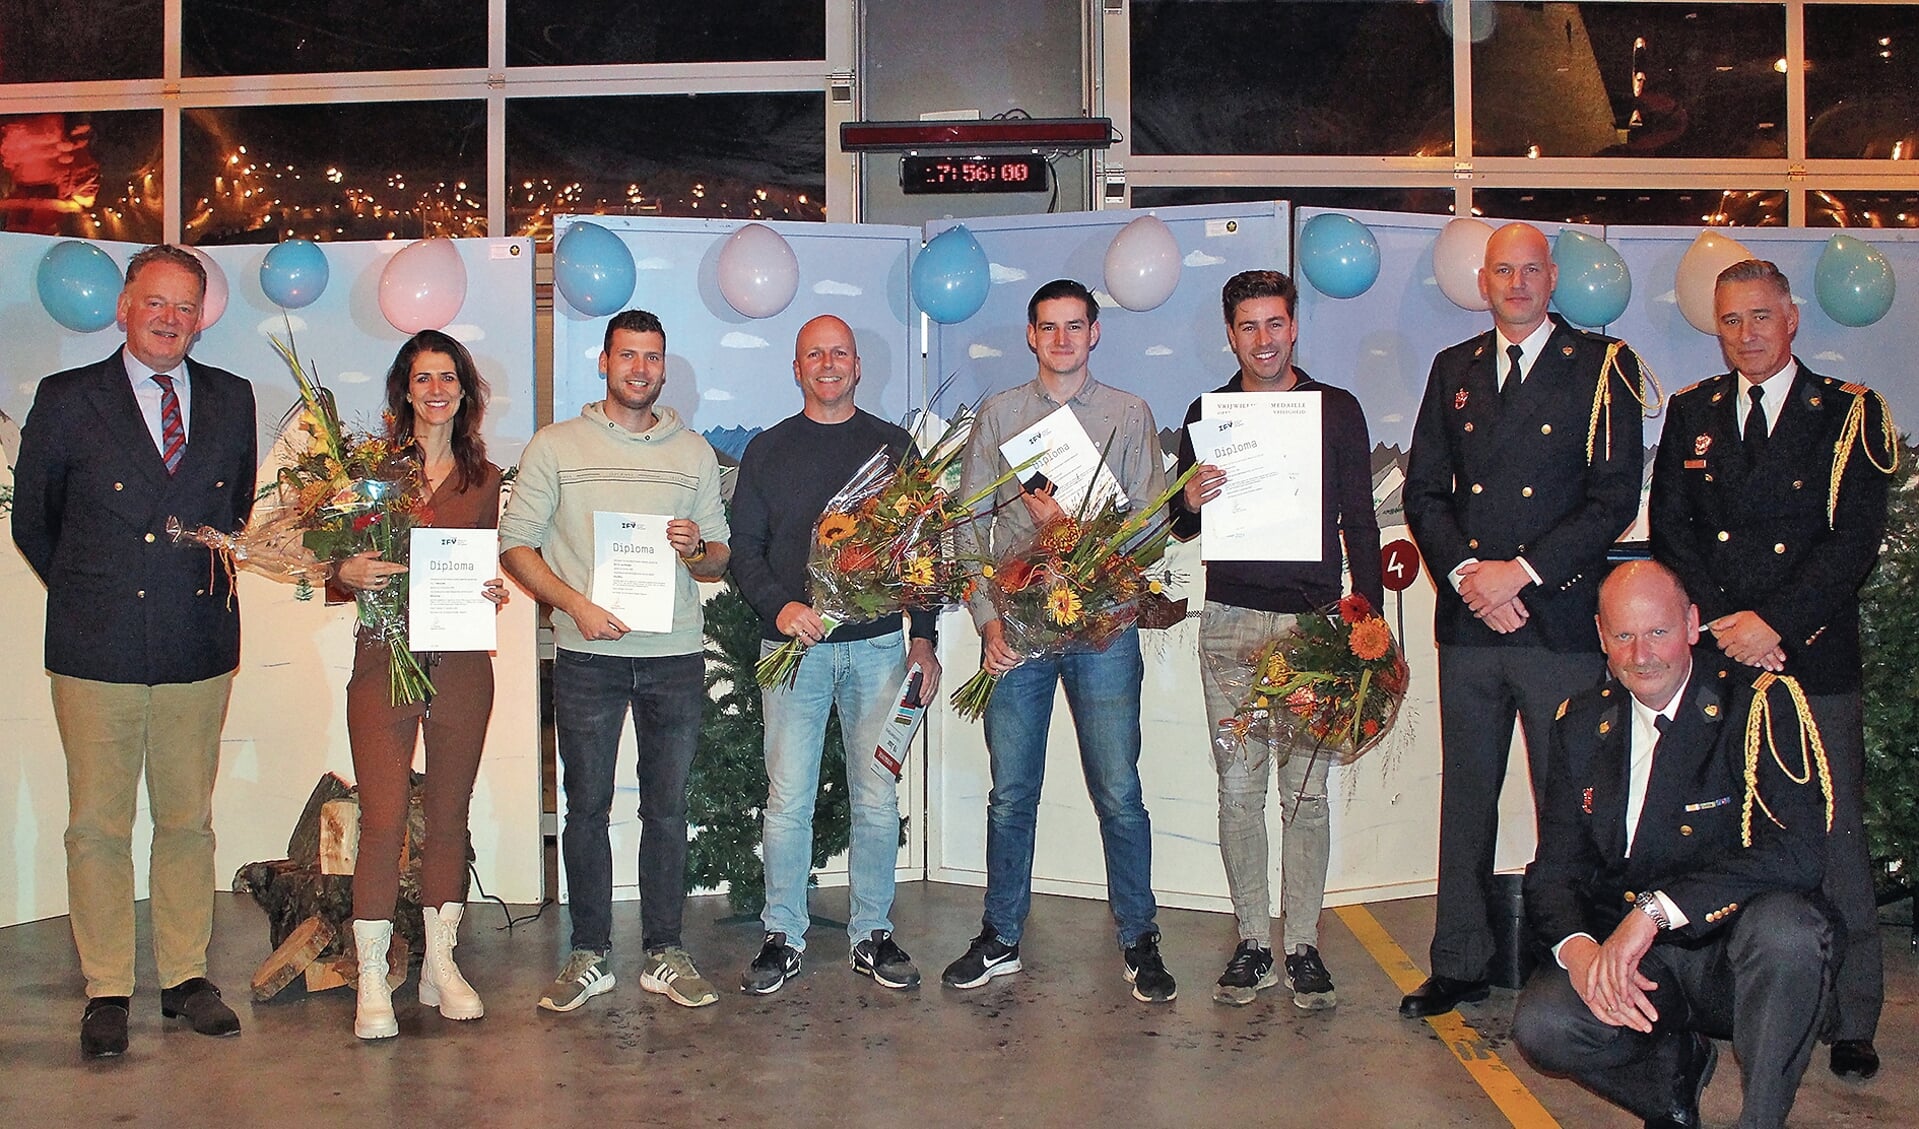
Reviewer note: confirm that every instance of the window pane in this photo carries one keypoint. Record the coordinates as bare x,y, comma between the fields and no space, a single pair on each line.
1680,207
1434,201
224,37
1862,209
723,156
567,32
1630,80
1862,66
95,176
102,39
374,170
1291,78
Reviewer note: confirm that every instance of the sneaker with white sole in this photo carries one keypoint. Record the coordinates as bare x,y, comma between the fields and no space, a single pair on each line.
1312,985
777,963
669,972
1146,972
880,957
586,974
1250,970
985,958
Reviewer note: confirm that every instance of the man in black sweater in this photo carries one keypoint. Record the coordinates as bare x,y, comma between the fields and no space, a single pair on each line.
1251,602
788,474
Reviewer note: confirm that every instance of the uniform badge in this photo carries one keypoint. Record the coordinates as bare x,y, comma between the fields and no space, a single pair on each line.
1702,444
1586,801
1459,400
1567,350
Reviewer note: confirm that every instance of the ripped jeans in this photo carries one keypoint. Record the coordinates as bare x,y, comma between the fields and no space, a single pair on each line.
1228,636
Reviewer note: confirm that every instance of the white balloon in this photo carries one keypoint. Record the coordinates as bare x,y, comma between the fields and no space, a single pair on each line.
1458,254
1142,264
758,272
1699,273
215,302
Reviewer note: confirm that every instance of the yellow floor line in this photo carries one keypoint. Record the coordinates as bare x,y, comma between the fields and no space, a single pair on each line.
1500,1083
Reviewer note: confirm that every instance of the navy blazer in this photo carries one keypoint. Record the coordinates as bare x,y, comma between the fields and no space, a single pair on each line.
1757,537
1688,842
91,502
1489,482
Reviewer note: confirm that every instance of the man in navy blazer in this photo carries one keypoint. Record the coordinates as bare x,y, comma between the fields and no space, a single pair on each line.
1525,465
1676,880
1773,516
143,635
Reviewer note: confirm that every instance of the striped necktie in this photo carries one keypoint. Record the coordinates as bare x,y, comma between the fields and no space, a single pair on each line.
173,432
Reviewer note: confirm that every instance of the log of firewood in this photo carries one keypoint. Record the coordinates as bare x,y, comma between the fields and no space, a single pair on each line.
292,957
303,846
339,836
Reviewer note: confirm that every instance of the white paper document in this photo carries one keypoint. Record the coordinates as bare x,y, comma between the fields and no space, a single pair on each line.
1069,459
634,569
1268,443
896,740
447,608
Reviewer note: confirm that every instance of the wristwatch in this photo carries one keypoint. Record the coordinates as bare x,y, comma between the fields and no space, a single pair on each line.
1649,906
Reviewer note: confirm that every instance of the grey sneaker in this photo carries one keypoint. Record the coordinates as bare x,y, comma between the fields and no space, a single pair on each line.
1312,985
777,963
882,959
1250,970
669,972
584,976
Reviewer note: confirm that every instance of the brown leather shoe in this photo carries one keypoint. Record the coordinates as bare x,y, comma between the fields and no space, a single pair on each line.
198,1002
103,1027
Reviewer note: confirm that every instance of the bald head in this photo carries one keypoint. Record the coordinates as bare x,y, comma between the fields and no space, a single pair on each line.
1517,279
1647,627
826,365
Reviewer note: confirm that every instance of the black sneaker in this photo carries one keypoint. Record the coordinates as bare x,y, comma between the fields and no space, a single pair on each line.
985,958
879,957
1250,970
1152,984
1306,975
777,963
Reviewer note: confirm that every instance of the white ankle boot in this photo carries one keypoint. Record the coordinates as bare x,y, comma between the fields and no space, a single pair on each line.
373,1018
441,984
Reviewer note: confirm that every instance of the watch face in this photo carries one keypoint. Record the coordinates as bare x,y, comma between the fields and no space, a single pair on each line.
1005,173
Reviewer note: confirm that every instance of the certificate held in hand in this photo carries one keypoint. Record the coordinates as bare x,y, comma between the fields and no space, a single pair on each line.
1268,443
1081,481
447,608
633,569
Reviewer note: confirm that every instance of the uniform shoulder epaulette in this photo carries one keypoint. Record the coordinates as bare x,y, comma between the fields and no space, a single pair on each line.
1855,389
1695,384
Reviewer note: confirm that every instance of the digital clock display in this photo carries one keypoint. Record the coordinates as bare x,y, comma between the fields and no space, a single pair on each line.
1011,173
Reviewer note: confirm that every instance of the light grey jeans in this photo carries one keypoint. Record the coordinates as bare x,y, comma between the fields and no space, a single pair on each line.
1228,636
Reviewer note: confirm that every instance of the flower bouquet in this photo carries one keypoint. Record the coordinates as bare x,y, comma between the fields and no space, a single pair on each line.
1074,586
1335,682
881,546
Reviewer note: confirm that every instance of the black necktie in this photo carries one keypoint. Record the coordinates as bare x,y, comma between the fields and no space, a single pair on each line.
1755,437
1510,389
1660,722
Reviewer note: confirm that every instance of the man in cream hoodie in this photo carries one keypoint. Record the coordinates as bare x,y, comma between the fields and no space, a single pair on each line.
624,455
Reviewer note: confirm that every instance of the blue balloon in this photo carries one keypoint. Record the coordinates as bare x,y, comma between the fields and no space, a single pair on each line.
294,274
79,285
1594,284
593,270
951,276
1853,281
1339,255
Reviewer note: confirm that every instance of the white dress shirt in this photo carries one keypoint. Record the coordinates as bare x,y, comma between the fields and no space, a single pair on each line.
1772,396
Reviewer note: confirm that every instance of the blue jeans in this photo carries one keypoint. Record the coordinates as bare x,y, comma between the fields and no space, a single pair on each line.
861,678
1102,690
591,697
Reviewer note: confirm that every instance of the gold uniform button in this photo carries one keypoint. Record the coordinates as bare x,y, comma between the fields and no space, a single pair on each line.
149,538
219,484
142,593
1780,547
1473,544
1477,488
1469,425
1526,492
1630,897
1724,536
1799,484
1545,429
201,592
1685,829
119,486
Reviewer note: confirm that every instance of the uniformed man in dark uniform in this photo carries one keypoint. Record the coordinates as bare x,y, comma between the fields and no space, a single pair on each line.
1769,500
1525,466
1677,878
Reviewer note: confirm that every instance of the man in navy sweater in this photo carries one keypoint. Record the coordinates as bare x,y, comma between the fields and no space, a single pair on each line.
788,474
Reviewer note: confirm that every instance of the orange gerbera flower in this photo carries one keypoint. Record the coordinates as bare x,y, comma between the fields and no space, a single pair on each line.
1371,639
1354,607
835,528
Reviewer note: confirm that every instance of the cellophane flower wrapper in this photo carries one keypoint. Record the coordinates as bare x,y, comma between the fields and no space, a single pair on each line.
1332,685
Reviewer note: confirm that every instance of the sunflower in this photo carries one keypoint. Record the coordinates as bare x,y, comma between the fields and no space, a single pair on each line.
1063,606
835,528
1371,639
917,571
1278,670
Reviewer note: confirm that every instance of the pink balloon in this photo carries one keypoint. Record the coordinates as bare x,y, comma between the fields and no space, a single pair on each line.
758,272
423,286
215,302
1458,254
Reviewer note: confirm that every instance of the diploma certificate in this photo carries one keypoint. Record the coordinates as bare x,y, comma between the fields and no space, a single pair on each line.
634,567
1268,443
1069,459
447,608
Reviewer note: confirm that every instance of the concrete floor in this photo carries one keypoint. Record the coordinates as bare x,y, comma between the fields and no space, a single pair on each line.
1063,1044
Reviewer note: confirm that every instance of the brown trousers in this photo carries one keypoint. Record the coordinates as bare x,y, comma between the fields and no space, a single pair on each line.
111,732
384,737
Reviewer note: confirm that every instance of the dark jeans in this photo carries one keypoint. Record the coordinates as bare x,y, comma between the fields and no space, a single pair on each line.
591,697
